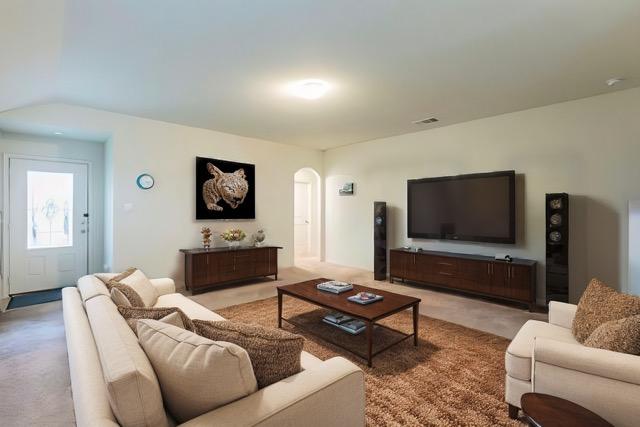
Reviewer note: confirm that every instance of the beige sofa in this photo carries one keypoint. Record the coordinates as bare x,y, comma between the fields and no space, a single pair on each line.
325,393
546,358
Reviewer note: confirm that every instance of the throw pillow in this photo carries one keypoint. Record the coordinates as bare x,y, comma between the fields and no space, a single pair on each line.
196,374
133,314
141,285
174,319
621,335
127,293
107,277
600,304
119,298
274,353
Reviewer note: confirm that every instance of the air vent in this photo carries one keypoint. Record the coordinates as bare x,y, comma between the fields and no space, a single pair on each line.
425,121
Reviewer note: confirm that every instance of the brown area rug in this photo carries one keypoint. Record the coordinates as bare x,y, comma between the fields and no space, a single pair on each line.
455,377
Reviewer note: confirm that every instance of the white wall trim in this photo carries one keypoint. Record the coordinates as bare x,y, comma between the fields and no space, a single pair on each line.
4,270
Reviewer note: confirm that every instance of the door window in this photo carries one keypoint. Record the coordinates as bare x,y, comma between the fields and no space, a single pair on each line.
49,209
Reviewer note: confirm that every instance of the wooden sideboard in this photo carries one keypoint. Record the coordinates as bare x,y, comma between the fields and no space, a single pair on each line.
209,268
513,281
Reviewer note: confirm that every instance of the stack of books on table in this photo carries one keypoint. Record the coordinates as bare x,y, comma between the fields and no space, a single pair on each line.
344,322
365,298
335,287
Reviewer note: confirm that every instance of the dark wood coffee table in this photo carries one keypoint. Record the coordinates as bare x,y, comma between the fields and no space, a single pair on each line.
543,410
391,304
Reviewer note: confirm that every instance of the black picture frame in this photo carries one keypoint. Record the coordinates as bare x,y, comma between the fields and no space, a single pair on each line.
226,182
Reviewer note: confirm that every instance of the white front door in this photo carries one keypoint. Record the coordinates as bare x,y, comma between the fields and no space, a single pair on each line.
301,218
48,224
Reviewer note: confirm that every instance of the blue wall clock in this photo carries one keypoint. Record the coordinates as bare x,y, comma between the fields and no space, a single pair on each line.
145,181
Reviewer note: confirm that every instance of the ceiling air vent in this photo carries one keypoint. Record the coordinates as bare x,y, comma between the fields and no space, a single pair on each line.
425,121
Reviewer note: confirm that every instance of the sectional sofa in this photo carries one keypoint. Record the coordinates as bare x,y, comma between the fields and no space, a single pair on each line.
110,371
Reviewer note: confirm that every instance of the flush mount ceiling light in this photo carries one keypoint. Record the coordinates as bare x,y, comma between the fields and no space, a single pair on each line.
57,133
309,89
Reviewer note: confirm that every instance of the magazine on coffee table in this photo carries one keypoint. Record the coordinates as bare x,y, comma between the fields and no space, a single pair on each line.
354,326
337,318
365,298
335,287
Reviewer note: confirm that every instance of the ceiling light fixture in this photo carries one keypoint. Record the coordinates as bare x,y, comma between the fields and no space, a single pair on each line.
614,81
57,133
309,89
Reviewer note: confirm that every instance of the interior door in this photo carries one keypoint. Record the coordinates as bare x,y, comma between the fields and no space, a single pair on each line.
301,218
48,224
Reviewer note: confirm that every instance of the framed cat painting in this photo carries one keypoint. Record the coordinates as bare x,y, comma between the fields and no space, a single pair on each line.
224,189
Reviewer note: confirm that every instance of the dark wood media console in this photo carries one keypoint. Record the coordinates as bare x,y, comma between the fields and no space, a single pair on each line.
481,275
209,268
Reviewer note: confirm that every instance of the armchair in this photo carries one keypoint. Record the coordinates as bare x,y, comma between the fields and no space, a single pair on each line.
546,358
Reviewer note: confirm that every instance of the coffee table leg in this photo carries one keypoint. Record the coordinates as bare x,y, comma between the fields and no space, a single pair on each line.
369,343
416,313
279,309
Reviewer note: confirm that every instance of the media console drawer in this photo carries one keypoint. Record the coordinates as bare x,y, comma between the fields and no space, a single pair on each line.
481,275
209,268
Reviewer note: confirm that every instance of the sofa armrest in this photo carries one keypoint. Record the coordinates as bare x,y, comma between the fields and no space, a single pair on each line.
315,397
164,286
593,361
562,314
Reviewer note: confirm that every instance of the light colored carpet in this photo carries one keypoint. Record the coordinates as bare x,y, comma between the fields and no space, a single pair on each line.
454,377
35,388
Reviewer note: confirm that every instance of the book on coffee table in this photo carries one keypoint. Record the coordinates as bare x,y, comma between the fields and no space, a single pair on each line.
334,286
354,326
365,298
337,318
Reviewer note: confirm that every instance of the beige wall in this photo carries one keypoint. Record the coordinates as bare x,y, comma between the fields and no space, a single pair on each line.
162,220
589,148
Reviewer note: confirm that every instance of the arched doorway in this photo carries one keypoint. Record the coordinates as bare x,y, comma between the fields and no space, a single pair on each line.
307,214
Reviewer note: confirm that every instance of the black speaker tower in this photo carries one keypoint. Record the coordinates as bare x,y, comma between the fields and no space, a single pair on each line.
380,240
557,238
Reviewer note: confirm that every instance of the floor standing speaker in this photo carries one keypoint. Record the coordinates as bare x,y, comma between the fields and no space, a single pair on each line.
557,227
380,240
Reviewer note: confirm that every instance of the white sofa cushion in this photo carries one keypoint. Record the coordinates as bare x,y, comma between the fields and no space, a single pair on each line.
191,308
196,374
132,386
90,286
520,351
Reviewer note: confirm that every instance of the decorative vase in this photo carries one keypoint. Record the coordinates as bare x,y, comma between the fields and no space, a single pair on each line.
234,243
206,237
259,237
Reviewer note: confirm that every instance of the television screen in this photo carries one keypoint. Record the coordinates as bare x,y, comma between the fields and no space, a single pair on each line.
476,207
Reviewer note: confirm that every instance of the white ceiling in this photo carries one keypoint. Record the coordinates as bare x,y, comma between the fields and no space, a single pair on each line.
222,64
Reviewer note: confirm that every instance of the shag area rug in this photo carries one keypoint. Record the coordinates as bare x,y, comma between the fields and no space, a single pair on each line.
455,377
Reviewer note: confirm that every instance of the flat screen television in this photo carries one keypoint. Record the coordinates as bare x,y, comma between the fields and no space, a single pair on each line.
476,207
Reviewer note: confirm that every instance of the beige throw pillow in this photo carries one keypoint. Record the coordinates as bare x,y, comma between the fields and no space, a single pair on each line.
107,277
119,298
196,374
274,353
133,314
621,335
174,319
600,304
141,285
